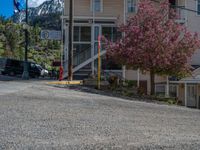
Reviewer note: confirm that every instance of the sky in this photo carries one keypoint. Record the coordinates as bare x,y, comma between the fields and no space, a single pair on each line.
6,6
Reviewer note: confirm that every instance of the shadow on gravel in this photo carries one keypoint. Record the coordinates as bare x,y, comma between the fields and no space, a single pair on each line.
92,90
19,78
9,78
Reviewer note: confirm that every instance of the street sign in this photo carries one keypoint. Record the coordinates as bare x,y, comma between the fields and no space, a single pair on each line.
51,35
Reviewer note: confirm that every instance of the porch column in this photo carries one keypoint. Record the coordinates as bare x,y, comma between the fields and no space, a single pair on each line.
138,78
197,96
92,50
124,67
93,36
185,94
65,51
62,52
167,87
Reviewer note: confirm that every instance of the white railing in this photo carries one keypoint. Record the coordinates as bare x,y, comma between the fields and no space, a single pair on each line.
86,62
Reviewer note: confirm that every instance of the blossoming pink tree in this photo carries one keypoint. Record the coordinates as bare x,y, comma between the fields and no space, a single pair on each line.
153,41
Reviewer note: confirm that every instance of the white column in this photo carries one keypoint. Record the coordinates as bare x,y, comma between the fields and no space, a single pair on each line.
62,40
138,78
124,72
93,36
124,67
92,48
185,94
167,87
197,96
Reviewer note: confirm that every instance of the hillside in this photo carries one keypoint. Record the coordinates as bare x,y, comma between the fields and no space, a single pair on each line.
47,15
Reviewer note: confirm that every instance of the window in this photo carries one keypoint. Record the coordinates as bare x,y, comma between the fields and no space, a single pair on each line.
82,44
198,7
96,5
173,91
111,33
131,4
76,34
86,34
82,34
160,89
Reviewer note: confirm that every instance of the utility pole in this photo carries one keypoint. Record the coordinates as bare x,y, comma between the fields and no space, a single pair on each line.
70,48
25,75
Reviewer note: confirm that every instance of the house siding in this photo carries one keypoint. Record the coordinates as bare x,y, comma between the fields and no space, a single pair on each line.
193,22
111,8
115,9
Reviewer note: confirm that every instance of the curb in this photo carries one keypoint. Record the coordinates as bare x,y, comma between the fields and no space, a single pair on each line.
76,82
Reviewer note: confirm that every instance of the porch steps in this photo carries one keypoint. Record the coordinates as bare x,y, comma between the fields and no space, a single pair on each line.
83,73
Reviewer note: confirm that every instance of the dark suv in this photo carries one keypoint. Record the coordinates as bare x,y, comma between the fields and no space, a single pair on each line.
15,67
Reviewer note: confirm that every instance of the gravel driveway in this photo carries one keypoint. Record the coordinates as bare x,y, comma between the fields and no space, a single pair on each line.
35,116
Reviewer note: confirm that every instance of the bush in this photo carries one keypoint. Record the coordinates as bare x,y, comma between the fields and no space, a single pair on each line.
170,101
113,81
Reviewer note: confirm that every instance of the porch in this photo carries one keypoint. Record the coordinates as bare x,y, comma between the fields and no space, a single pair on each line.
85,46
187,92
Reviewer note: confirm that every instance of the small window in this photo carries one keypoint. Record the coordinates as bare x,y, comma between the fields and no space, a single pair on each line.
131,6
198,7
96,5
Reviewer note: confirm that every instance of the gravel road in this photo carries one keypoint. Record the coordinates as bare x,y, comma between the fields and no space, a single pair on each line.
35,116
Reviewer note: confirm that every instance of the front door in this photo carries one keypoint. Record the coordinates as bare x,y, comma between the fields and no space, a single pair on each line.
192,96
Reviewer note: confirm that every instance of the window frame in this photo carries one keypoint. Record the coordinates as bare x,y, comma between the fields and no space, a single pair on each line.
80,34
134,6
92,9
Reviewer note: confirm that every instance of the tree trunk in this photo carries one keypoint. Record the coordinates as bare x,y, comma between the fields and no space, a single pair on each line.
152,79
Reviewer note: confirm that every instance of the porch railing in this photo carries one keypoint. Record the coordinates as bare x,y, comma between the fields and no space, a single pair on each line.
80,57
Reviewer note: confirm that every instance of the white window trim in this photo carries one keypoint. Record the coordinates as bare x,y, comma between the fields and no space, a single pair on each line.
197,8
92,9
136,1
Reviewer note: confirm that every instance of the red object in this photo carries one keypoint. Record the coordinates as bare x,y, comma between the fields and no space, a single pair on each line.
61,74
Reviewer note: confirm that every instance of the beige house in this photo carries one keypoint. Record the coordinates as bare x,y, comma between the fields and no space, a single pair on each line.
101,17
91,19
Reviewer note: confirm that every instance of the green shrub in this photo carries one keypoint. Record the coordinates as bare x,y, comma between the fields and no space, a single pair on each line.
113,81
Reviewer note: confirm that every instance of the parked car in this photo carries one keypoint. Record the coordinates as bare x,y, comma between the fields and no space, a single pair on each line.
44,72
14,67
